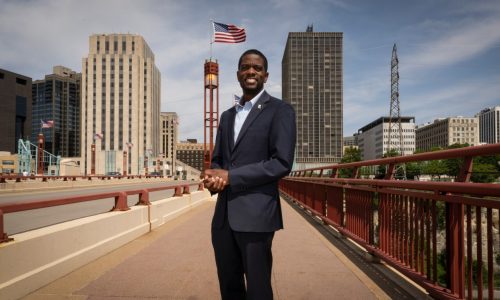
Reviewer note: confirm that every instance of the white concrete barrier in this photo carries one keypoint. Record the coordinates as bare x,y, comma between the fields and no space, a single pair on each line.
40,256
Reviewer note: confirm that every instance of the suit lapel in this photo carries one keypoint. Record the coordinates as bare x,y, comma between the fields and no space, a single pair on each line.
254,113
230,134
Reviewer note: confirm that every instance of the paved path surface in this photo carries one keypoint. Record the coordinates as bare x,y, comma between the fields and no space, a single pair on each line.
176,261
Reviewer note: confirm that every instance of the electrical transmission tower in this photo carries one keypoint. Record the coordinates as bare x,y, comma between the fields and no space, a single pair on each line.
395,128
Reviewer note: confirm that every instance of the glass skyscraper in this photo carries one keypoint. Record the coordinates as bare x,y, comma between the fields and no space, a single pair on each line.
57,98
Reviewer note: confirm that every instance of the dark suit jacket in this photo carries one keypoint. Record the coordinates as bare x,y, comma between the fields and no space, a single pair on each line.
262,154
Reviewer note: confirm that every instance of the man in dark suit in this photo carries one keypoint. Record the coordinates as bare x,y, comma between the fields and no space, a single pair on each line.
254,148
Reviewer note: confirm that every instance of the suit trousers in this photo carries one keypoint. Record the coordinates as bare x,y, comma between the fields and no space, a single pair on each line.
239,255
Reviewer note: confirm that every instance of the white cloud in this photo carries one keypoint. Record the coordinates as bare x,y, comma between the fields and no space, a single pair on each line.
455,46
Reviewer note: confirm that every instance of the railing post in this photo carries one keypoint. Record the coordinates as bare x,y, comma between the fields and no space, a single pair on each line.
455,253
144,197
466,170
121,202
186,190
4,238
355,172
389,175
178,191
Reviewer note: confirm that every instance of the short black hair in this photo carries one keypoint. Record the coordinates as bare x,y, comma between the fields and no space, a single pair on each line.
253,51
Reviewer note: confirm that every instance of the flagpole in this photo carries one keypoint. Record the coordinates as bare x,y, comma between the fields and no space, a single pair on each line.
211,29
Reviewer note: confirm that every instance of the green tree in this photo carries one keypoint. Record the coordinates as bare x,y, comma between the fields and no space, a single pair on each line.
484,173
351,154
434,168
413,170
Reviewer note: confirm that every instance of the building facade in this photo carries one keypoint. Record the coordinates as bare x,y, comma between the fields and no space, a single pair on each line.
190,152
489,125
169,133
57,98
120,105
312,82
373,139
15,109
445,132
350,142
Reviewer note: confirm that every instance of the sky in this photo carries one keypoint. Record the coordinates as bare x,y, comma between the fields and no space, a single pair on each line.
449,50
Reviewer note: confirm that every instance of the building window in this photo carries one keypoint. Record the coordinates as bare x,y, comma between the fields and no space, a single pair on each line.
21,81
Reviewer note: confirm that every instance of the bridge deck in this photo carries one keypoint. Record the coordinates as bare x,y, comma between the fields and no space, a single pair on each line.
176,261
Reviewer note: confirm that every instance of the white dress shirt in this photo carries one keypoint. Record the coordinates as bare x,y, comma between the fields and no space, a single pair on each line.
242,112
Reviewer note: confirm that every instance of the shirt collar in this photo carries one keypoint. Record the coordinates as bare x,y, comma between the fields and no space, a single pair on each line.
251,102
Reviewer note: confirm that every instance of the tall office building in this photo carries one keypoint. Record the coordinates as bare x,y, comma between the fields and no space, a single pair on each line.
312,83
169,132
448,131
57,98
120,104
15,109
489,125
373,138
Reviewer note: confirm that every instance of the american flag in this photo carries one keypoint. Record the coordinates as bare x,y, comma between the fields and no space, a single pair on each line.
228,33
47,124
98,136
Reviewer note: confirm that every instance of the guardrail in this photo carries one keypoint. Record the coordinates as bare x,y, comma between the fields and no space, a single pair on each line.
120,202
45,178
439,234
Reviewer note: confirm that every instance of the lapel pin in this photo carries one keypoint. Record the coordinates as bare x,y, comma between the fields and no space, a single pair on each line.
259,106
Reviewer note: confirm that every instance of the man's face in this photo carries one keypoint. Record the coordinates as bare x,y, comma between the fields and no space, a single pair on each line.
251,74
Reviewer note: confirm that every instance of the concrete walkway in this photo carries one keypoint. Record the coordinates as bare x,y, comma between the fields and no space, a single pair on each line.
176,262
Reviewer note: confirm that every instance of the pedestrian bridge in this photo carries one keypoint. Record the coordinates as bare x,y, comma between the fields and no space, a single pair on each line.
344,238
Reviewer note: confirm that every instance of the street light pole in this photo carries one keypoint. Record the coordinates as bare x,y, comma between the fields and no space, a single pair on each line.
41,144
92,159
125,163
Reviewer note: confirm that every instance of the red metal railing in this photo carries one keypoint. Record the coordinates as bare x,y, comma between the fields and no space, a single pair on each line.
430,231
120,201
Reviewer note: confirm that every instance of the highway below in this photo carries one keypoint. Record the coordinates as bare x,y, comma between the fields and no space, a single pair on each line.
37,218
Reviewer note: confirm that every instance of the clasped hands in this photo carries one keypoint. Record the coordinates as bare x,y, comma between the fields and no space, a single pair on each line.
215,180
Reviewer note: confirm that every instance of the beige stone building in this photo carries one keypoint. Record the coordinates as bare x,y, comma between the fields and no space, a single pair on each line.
447,131
8,163
168,141
120,105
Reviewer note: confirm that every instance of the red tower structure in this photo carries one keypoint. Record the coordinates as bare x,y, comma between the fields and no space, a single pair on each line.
211,109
